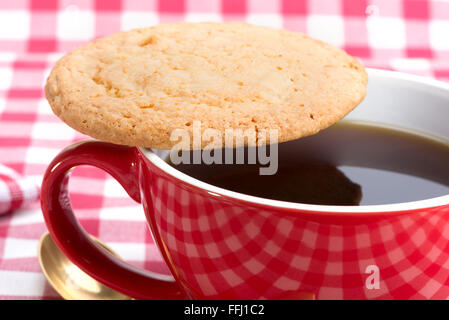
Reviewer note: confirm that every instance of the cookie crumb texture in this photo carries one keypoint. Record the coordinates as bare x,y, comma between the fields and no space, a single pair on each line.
136,87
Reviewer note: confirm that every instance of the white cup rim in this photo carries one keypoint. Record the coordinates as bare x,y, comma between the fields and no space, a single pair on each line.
331,209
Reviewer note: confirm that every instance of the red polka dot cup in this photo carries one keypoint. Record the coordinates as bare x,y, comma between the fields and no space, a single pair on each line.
220,244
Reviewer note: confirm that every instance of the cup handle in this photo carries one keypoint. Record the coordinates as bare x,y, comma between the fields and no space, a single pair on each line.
122,163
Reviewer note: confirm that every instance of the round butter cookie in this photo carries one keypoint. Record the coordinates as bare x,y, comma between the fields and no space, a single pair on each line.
137,87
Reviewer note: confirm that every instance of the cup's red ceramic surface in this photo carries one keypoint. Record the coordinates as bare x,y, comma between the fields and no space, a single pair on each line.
221,244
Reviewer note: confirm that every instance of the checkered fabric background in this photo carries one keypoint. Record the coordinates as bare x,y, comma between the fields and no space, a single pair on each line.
405,35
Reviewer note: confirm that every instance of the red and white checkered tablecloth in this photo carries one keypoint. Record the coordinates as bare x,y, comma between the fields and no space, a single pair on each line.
406,35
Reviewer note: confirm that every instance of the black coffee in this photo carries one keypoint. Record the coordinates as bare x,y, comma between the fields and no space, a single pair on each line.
347,164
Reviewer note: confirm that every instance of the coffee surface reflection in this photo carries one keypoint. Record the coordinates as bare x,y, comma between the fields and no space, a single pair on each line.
347,164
